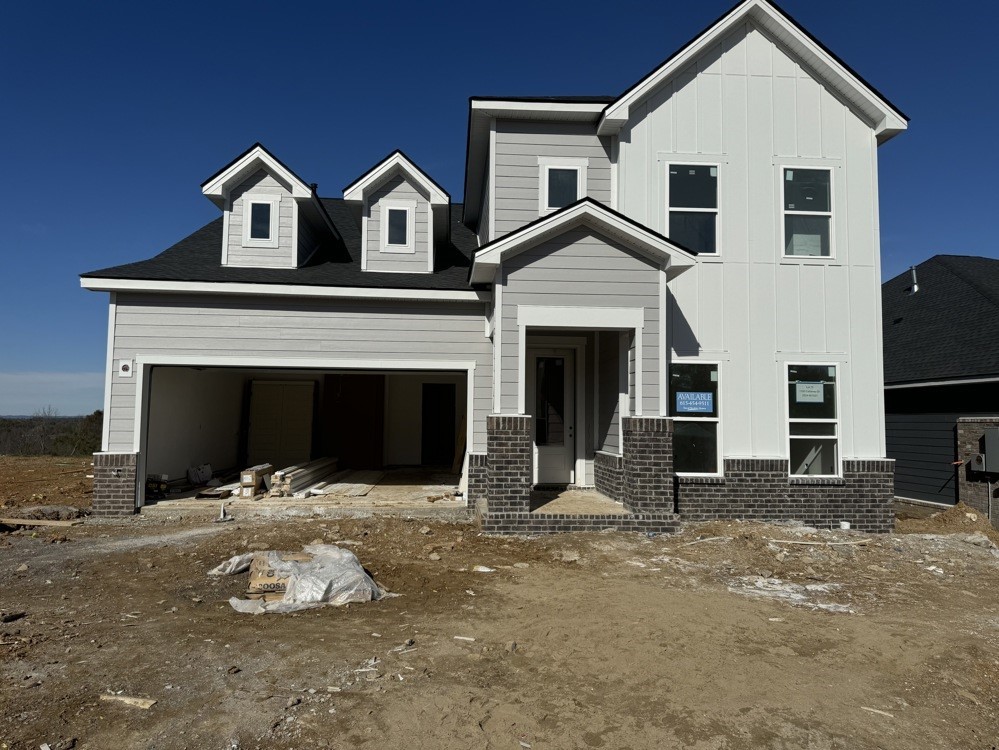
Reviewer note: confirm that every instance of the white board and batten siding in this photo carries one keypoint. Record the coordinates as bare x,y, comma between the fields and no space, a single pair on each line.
580,268
397,188
748,107
309,330
520,145
285,255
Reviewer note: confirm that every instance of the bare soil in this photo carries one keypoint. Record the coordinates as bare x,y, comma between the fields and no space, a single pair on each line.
45,480
729,635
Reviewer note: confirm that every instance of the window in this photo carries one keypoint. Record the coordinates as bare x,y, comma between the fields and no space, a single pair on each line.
692,205
813,427
260,227
260,221
807,212
693,399
563,181
398,226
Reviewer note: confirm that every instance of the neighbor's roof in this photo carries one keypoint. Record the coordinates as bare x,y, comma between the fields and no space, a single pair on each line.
198,258
948,329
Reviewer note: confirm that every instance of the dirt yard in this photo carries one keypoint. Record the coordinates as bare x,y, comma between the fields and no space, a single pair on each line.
729,635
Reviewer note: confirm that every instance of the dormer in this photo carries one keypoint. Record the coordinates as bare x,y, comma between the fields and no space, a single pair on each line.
403,213
272,218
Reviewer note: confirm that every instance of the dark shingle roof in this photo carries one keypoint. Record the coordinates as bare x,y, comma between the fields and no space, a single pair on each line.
949,329
198,258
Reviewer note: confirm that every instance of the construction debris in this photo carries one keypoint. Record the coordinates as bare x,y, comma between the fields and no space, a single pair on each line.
254,479
37,522
143,703
296,479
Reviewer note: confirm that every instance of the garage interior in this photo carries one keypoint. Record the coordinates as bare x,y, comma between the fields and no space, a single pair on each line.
411,425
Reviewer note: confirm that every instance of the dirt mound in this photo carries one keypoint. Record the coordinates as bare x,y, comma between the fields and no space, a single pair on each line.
961,519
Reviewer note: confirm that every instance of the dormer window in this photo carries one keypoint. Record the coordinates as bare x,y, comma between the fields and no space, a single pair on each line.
563,181
398,222
261,212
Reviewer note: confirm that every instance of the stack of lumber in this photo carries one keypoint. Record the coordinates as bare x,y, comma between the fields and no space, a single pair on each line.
299,479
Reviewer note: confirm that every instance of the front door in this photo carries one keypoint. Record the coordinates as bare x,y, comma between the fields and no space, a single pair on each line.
550,392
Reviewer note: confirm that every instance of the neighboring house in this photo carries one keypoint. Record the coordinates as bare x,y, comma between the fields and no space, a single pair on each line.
942,377
671,295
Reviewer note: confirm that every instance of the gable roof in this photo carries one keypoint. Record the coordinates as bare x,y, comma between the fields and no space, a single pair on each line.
337,263
397,161
888,120
584,212
249,161
946,330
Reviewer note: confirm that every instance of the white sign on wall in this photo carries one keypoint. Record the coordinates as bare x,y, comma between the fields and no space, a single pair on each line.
809,393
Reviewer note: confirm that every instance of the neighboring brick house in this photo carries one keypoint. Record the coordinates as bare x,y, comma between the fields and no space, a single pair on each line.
941,321
670,295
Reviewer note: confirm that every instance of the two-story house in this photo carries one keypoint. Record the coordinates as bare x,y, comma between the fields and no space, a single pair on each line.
672,295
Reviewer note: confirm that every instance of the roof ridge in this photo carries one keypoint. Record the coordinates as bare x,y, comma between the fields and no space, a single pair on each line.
972,281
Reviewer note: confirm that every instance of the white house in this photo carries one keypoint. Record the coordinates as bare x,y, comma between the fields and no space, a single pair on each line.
672,296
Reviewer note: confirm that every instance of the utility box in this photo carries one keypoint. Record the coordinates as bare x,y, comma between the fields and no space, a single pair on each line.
991,458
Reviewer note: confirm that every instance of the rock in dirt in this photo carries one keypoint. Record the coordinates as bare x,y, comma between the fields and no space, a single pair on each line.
425,530
433,556
22,568
11,616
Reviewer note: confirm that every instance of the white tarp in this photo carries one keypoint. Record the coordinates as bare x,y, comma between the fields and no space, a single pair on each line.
332,577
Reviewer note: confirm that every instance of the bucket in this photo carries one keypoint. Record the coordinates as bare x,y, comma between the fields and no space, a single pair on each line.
844,525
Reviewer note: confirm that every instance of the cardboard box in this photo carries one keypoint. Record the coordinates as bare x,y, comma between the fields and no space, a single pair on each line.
263,578
253,476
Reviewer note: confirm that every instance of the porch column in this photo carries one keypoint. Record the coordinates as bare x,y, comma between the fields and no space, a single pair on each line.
647,485
508,442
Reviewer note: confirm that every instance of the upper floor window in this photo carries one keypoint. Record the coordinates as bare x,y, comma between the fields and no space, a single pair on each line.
563,181
813,421
261,226
692,205
398,220
808,212
693,403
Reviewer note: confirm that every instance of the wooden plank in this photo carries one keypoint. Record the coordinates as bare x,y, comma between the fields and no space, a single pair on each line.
37,522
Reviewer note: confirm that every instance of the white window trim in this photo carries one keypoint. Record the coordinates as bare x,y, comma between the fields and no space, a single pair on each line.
718,201
396,205
546,163
720,468
831,169
788,421
275,203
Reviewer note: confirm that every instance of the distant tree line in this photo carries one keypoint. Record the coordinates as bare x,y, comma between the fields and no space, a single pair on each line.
48,434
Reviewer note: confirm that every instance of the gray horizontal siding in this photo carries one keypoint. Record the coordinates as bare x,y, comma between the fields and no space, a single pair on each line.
923,446
398,188
612,276
281,256
152,324
519,144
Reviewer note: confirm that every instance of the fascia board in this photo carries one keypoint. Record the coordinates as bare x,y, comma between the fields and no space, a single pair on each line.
216,187
282,290
356,190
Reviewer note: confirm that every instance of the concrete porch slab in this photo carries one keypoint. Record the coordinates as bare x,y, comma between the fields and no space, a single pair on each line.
574,502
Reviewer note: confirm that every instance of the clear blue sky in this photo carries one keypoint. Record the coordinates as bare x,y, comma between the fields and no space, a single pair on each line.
113,116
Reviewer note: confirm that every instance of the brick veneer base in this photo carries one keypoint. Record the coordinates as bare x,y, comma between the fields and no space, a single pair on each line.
608,474
511,468
760,489
478,482
972,486
114,484
647,463
530,523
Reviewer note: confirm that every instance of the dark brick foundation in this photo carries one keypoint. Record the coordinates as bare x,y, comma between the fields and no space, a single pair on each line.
760,489
478,482
608,474
972,486
647,476
114,484
511,469
530,523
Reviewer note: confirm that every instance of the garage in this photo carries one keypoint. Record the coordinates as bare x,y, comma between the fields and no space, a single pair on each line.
388,423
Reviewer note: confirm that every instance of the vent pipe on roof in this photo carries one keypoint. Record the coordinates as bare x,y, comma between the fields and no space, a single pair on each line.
915,284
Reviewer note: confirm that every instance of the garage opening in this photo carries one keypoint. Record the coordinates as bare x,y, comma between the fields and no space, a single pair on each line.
399,431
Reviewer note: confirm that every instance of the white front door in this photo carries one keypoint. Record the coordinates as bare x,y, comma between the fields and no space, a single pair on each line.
551,403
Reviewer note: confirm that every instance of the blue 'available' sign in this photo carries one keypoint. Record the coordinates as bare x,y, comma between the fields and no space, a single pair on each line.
695,402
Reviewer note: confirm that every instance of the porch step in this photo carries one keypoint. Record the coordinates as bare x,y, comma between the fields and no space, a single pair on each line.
555,523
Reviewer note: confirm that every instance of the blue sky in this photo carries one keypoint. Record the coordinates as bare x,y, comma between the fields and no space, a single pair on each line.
114,114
